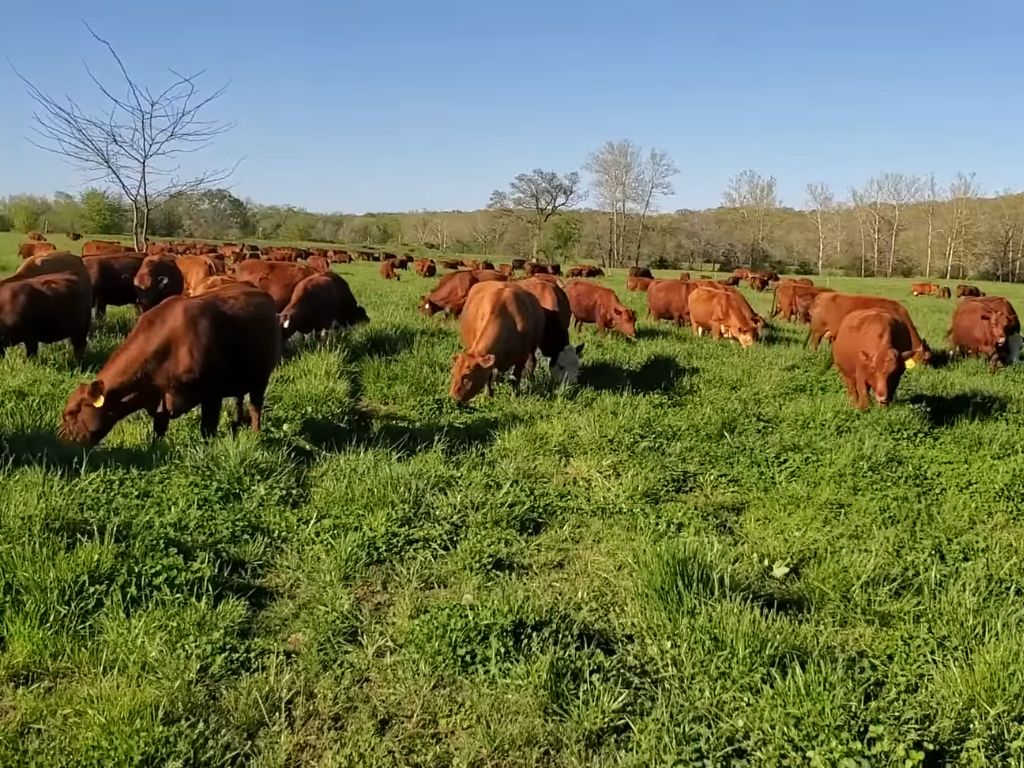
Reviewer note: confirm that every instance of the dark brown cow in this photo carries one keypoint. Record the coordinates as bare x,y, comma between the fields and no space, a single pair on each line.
342,257
563,358
599,305
638,283
42,310
486,265
74,236
669,300
722,313
987,327
640,272
534,268
767,274
871,351
944,293
518,265
451,264
501,328
314,307
31,248
732,281
349,311
829,309
425,267
99,247
113,279
758,283
157,279
276,278
387,270
183,353
585,270
968,290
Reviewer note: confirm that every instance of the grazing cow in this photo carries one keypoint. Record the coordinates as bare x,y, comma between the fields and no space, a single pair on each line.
212,283
768,275
563,358
314,307
584,270
555,279
276,278
798,280
451,264
987,327
968,290
721,313
470,264
640,272
828,310
924,289
185,352
685,276
232,252
732,281
943,293
487,275
450,294
669,300
786,302
99,247
486,265
74,236
506,269
518,265
871,351
425,267
113,279
157,279
596,304
37,237
534,268
349,311
638,283
387,270
742,274
196,268
42,310
32,248
319,263
342,257
501,328
758,283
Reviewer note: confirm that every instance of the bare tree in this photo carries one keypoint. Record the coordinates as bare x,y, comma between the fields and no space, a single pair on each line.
440,232
856,198
537,196
820,202
755,197
655,180
135,140
615,171
962,191
869,202
932,195
898,191
488,230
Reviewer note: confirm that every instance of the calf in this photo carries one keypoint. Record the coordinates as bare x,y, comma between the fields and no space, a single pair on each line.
563,358
722,313
42,310
599,305
501,328
968,290
183,353
987,327
828,310
871,351
113,280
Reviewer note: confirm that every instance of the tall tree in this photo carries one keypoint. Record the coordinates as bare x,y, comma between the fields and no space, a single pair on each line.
755,197
819,203
135,139
869,201
962,192
101,212
615,179
537,196
898,190
931,194
655,181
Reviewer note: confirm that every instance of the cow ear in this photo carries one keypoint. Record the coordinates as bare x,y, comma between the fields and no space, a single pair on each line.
161,282
96,392
908,355
487,361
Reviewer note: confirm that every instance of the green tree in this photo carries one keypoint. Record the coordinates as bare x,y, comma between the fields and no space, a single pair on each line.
562,236
101,212
216,214
536,197
27,212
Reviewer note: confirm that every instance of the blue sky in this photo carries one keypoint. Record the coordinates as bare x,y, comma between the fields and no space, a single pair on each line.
359,105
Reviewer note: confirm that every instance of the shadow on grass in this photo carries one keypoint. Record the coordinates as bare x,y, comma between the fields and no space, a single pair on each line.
658,331
657,374
946,410
39,448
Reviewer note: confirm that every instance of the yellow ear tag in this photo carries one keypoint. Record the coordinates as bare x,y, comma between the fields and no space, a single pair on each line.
98,402
910,364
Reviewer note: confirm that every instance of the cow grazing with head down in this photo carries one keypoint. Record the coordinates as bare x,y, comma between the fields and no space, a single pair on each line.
425,267
37,237
452,291
501,328
599,305
758,282
42,310
387,270
585,270
871,351
564,359
318,304
183,353
113,279
828,310
640,272
924,289
722,314
987,327
669,300
968,290
793,299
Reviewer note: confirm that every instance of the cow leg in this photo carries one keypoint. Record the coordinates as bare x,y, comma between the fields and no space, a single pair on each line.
531,365
209,416
101,310
716,331
161,420
256,407
861,400
31,348
78,347
813,340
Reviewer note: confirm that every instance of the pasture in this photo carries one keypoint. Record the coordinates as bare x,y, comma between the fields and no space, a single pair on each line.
699,555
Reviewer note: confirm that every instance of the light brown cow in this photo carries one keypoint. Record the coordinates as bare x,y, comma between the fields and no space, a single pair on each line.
99,247
829,309
599,305
33,248
871,351
721,313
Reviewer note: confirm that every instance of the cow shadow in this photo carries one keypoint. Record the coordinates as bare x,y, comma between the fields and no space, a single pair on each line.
41,448
658,331
657,374
946,410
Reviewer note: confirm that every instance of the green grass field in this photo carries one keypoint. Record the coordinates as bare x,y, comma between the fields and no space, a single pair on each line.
699,556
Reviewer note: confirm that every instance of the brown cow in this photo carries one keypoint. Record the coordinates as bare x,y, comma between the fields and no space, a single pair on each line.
518,265
319,263
871,350
506,269
342,257
535,268
722,314
196,268
212,283
585,270
99,247
828,310
596,304
684,276
425,267
451,264
742,274
37,237
42,310
555,279
232,252
501,328
113,279
314,307
798,280
758,283
924,289
731,281
944,293
276,278
387,270
638,283
563,358
968,290
486,265
185,352
767,274
640,272
987,327
31,248
669,300
349,311
786,302
157,279
74,236
486,275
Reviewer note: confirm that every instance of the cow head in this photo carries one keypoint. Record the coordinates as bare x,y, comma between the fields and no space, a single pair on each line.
89,414
565,368
470,373
884,370
428,308
623,320
157,279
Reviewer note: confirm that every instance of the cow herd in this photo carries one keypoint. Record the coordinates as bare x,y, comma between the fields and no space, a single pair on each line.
212,321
